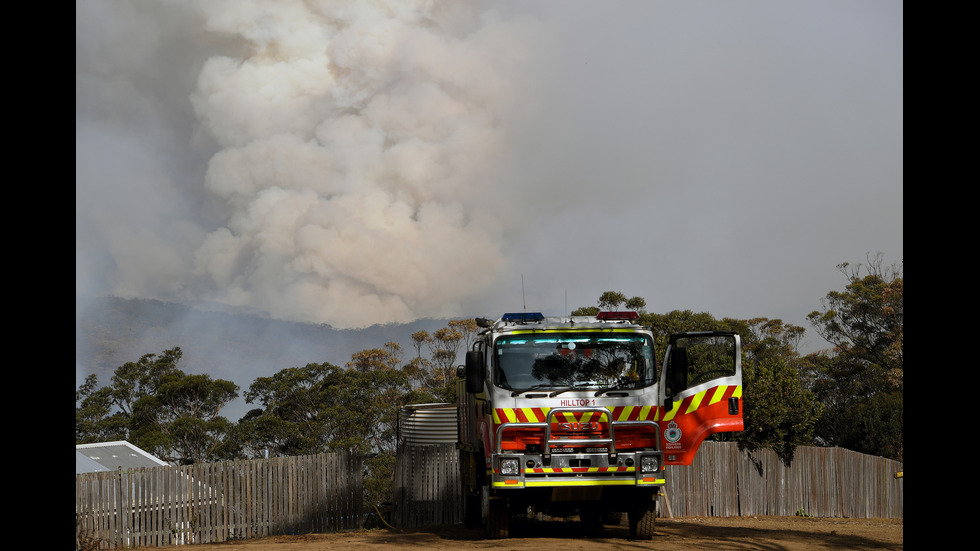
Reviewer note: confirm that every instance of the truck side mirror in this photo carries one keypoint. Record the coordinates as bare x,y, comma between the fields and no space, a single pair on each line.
474,371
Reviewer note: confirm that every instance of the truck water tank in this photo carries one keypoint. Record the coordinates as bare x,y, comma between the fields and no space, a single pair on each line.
427,424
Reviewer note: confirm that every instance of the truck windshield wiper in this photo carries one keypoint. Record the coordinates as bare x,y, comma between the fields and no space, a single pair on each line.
566,389
523,390
602,391
553,393
622,385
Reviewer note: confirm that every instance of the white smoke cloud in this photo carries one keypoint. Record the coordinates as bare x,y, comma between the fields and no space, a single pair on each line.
352,143
371,161
356,140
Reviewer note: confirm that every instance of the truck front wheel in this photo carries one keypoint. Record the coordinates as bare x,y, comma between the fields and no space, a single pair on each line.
643,517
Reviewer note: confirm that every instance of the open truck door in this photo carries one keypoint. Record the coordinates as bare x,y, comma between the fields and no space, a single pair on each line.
700,391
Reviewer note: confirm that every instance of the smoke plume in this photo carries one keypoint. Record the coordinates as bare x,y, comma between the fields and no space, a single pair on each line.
350,150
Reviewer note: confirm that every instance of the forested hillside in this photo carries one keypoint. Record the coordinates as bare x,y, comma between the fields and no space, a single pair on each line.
238,347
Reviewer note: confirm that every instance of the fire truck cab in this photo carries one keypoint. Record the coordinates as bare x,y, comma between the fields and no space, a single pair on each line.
574,415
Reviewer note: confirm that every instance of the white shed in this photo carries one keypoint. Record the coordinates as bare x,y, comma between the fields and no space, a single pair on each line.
112,456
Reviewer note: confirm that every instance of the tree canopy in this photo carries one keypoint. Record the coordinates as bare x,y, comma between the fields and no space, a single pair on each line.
860,380
157,407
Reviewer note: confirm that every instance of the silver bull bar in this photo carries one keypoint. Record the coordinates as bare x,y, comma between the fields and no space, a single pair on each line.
611,440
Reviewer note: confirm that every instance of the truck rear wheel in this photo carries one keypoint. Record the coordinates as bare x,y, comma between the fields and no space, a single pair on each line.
472,482
612,518
643,517
471,511
591,518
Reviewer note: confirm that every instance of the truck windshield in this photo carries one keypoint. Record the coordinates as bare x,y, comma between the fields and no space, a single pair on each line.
574,360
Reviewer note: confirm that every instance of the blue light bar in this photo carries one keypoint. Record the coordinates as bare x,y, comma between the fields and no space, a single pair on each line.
522,317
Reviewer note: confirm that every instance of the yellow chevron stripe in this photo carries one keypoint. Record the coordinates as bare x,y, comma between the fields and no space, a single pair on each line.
718,394
531,414
539,415
696,401
593,416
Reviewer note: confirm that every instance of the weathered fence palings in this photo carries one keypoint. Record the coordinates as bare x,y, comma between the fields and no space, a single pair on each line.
824,482
214,502
722,481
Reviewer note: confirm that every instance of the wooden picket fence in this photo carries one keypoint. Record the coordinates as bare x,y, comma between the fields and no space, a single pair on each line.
216,502
722,481
820,482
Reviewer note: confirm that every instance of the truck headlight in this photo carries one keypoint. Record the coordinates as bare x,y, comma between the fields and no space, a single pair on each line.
509,466
649,463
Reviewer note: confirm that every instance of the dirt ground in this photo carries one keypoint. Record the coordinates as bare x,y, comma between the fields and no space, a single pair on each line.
752,533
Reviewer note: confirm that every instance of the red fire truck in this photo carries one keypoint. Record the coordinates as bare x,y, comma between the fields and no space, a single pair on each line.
574,415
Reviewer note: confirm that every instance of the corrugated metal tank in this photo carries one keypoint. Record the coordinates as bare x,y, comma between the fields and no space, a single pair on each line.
425,424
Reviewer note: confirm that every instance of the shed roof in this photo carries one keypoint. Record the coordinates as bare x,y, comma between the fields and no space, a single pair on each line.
111,456
84,464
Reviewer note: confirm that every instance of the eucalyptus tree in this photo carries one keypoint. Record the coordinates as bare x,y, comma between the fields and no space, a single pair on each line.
860,380
158,407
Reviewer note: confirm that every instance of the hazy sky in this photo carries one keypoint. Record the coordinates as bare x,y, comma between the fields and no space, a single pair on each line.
365,162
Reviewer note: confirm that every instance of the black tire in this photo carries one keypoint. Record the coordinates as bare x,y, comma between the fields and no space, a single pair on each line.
498,518
472,484
643,519
591,518
472,517
612,518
